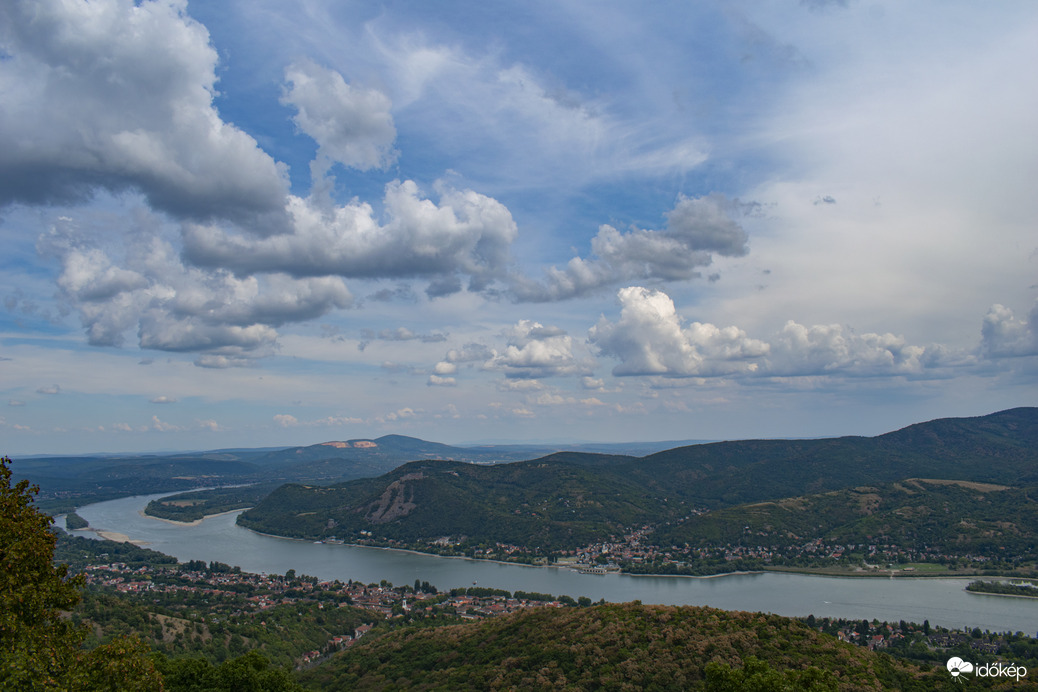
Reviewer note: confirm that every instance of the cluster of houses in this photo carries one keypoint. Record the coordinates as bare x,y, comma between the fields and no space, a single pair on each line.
880,635
263,591
633,550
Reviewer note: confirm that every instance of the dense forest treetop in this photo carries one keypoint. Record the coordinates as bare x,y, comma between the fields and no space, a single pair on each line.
987,520
617,647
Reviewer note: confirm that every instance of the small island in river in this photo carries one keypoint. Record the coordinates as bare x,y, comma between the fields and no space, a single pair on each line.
1002,588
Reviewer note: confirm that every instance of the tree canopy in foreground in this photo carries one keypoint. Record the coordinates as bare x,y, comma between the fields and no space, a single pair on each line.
40,649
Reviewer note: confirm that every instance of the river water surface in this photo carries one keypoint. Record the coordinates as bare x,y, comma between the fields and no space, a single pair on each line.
914,599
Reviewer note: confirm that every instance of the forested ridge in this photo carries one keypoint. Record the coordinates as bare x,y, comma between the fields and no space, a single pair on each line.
566,501
616,646
943,516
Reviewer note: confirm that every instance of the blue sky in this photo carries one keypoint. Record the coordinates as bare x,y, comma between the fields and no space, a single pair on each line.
261,223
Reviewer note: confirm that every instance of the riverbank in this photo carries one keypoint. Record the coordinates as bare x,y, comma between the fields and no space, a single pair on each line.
941,601
410,551
113,536
934,572
1007,595
717,575
805,571
911,571
908,572
1021,589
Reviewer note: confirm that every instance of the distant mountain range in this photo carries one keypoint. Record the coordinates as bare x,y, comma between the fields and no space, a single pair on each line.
69,481
568,499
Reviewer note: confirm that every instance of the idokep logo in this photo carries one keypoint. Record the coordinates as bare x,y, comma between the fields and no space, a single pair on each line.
956,666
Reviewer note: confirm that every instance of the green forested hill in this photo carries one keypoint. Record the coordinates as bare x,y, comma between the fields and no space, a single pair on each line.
545,503
941,516
999,448
628,646
569,499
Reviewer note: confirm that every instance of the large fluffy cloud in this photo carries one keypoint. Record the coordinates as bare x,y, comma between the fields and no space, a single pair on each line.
1004,335
696,230
535,351
649,338
174,307
835,349
113,94
530,351
466,234
351,125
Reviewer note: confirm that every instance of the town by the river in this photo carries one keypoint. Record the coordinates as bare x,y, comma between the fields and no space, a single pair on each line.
915,599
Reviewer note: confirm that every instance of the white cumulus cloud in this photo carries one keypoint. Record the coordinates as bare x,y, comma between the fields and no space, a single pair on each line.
466,235
1005,335
536,351
174,307
351,125
649,339
696,230
439,381
113,94
823,349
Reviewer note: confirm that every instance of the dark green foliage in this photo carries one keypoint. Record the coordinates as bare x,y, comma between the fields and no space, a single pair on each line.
624,646
250,672
77,552
997,587
533,596
39,649
994,521
73,522
197,504
758,676
424,587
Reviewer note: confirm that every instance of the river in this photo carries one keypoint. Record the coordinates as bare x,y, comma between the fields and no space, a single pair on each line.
914,599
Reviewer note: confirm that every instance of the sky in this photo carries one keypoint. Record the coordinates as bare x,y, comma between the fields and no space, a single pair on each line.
262,223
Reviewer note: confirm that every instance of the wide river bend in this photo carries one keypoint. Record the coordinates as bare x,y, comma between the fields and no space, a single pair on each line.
914,599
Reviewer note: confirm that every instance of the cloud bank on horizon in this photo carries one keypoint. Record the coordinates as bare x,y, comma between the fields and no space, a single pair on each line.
700,220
